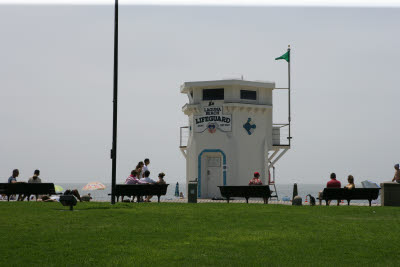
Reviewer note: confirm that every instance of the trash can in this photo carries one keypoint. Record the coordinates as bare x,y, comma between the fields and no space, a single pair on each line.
192,192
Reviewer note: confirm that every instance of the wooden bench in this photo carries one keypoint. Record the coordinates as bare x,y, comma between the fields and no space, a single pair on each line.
246,191
350,194
27,189
139,190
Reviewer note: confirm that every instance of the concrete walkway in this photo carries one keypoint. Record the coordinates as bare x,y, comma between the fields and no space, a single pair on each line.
280,202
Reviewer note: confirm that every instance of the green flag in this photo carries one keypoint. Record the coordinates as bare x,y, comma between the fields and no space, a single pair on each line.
285,56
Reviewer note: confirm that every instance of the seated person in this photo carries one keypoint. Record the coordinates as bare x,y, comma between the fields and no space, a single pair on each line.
146,179
351,184
132,179
161,178
86,198
13,178
333,183
35,178
256,180
396,177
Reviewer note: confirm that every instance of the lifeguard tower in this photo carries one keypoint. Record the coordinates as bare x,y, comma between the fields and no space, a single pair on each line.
230,133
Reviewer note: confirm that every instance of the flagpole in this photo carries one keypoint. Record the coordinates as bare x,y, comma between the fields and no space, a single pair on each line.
115,107
289,117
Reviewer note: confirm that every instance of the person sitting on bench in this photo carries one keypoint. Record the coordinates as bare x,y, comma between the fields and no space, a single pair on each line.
147,180
256,179
132,179
35,178
351,184
333,183
12,180
161,178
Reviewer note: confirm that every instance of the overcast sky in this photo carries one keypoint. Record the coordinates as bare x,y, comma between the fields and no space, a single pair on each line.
56,75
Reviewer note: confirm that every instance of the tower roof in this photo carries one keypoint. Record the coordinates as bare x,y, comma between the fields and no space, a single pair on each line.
259,84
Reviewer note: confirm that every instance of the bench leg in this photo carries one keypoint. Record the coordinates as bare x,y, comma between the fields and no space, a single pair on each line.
247,200
327,202
227,198
348,202
370,201
265,200
158,198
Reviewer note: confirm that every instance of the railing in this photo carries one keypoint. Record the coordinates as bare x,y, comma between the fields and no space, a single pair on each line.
184,136
280,134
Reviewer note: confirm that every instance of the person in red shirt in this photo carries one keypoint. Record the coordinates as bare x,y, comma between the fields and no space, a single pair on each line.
256,180
333,183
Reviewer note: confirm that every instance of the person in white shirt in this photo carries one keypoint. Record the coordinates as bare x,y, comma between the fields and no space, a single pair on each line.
147,180
145,167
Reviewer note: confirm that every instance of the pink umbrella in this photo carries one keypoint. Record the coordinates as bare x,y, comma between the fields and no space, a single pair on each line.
94,186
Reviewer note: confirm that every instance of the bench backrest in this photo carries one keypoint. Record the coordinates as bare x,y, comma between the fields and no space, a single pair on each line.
356,193
27,188
141,189
245,191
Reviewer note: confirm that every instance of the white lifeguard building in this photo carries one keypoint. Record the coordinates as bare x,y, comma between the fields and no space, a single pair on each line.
231,133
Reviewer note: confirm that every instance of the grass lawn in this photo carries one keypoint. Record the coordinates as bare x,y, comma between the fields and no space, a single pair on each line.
207,234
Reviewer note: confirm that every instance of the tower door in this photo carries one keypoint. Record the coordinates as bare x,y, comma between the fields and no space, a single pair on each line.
214,176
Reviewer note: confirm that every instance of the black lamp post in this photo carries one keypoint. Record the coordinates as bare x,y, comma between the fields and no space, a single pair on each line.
115,107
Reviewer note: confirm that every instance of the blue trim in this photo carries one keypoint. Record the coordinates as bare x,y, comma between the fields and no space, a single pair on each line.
199,167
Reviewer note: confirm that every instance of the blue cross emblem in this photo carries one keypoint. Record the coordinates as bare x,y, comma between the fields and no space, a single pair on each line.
249,127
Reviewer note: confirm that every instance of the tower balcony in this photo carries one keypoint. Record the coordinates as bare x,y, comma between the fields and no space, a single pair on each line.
280,135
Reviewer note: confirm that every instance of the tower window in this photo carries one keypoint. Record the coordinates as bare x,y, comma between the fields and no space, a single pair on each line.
213,94
247,94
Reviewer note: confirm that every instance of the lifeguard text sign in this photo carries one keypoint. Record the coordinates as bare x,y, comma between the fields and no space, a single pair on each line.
211,119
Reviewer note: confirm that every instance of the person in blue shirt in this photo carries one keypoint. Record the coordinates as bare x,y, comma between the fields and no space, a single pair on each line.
13,178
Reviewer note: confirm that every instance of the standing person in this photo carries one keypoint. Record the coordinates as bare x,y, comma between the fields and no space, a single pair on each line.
139,168
256,179
13,178
396,177
145,167
35,178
